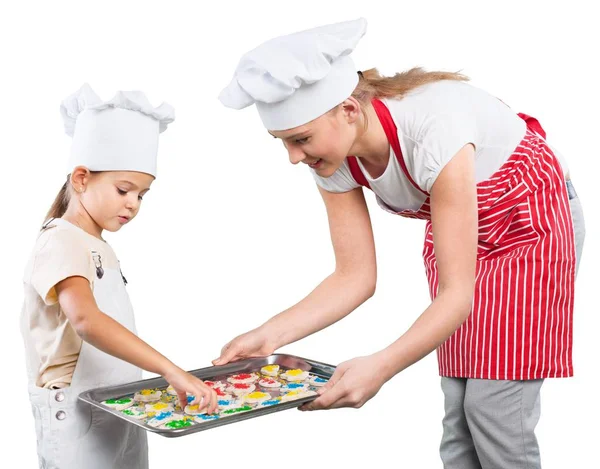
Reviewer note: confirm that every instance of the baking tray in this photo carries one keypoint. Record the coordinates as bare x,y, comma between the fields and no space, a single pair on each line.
95,397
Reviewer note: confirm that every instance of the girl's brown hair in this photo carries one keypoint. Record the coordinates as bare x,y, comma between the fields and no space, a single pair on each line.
374,85
61,202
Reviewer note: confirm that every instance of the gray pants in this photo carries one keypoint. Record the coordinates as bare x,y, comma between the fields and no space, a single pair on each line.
489,424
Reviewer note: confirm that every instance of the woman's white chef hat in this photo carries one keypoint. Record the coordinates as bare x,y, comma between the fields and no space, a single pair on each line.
120,134
296,78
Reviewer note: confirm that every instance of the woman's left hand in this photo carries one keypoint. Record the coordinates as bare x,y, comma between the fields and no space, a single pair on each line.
352,385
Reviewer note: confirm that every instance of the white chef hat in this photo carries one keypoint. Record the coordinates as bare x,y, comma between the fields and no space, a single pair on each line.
120,134
296,78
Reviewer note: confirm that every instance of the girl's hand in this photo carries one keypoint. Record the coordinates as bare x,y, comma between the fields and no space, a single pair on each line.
254,343
352,385
184,383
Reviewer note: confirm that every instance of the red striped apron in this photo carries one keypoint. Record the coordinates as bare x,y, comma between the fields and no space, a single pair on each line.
521,321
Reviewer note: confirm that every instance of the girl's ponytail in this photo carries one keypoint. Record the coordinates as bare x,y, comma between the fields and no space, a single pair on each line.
61,202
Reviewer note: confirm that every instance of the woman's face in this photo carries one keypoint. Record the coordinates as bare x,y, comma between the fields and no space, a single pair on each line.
325,142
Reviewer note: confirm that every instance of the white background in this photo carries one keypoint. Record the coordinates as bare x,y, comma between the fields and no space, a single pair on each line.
232,234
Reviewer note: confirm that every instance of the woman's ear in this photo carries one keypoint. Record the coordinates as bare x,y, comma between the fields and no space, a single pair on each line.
80,177
351,109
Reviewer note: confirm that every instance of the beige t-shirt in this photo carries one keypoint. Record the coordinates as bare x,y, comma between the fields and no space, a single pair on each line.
52,346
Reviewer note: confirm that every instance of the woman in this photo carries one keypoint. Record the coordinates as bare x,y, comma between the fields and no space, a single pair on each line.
499,246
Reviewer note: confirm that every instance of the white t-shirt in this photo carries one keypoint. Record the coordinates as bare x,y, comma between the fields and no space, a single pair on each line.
434,122
52,346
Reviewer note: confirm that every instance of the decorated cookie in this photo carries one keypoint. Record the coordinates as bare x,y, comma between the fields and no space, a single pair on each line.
194,409
270,402
174,424
171,391
269,383
221,394
147,395
293,395
168,397
243,378
294,387
118,404
294,375
159,407
317,381
216,385
270,370
225,404
205,417
135,413
239,389
256,397
162,418
236,410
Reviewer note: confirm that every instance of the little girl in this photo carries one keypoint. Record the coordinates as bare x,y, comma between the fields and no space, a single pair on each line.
77,321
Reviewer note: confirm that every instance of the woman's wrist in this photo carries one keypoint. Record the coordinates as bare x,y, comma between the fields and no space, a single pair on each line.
387,363
272,336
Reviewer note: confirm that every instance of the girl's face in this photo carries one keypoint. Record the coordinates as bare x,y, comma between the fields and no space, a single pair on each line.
325,142
111,198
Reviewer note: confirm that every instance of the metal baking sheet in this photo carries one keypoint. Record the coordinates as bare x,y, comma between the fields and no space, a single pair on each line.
95,397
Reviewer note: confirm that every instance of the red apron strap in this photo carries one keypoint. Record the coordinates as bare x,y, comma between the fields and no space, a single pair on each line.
391,131
533,124
389,126
357,174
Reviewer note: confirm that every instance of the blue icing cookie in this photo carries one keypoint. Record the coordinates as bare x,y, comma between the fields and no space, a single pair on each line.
207,417
270,403
319,380
294,385
190,399
162,415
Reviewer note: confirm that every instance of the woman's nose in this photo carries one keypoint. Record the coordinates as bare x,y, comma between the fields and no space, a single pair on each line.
296,155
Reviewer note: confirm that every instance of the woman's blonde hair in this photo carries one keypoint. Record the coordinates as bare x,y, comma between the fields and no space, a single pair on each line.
374,85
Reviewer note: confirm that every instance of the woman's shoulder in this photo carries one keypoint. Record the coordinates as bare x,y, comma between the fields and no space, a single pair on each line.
340,181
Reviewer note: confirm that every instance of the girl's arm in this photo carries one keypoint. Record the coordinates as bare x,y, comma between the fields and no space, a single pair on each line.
350,285
455,226
100,330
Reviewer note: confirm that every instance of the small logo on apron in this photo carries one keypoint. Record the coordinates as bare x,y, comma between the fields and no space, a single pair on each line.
98,263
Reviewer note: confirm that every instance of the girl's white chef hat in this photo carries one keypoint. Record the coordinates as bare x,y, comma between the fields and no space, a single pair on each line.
296,78
120,134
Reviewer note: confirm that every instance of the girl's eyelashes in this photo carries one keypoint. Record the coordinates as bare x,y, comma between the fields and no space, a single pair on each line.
302,141
122,192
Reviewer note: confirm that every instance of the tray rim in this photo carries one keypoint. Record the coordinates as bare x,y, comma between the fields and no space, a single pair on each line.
325,369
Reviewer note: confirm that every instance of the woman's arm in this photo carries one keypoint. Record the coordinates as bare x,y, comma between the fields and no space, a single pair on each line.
100,330
350,285
455,226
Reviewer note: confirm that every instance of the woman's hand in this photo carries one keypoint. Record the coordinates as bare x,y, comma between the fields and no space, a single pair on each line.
352,385
254,343
184,383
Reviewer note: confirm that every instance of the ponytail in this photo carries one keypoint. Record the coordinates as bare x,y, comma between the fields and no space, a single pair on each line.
374,85
61,202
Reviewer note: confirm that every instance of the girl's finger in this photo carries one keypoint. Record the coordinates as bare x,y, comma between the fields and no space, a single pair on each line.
213,401
182,399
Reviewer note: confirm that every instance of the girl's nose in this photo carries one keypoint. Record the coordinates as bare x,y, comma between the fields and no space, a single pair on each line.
132,202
